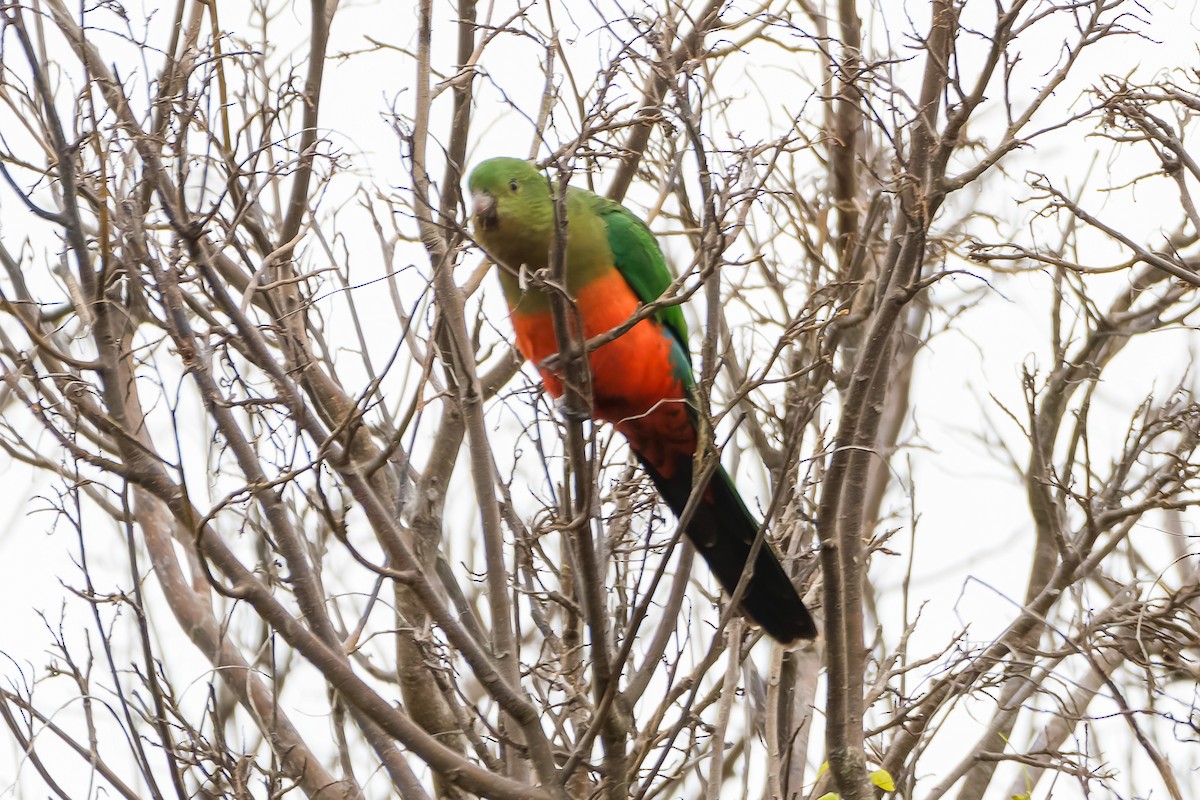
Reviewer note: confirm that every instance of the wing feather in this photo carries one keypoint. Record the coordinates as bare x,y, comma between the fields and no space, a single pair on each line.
640,261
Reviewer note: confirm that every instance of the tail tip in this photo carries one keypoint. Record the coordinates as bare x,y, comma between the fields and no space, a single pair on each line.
788,630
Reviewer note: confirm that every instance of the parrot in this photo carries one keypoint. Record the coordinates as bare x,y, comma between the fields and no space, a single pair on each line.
642,381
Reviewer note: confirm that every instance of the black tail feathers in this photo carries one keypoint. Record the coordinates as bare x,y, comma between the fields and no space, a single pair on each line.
723,531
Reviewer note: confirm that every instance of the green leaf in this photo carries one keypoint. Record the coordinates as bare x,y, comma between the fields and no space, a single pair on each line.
830,796
821,770
883,779
1025,796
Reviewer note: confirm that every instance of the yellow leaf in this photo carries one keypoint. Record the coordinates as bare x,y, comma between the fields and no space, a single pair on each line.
821,770
883,779
830,796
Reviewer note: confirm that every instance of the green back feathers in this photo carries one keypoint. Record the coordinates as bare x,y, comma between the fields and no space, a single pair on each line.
514,220
637,256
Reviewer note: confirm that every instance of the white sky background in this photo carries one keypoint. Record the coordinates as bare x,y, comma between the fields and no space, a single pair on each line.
974,537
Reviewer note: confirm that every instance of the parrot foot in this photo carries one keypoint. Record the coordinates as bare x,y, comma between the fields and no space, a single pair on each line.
571,411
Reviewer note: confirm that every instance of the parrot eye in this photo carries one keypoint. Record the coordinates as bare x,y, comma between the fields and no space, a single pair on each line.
512,185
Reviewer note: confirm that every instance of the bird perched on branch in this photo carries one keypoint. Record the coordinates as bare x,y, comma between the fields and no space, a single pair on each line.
641,381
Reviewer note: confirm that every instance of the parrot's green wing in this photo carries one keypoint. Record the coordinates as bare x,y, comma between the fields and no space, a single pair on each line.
640,261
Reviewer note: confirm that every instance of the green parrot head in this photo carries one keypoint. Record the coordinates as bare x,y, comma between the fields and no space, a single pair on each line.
509,197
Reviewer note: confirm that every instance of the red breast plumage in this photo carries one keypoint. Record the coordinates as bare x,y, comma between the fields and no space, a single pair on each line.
634,380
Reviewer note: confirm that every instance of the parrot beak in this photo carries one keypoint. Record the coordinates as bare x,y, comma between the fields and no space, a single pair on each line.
483,209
